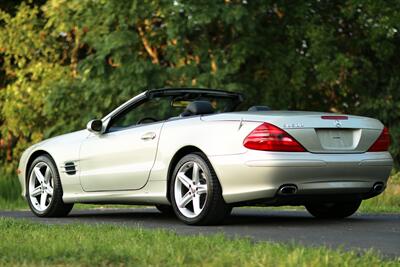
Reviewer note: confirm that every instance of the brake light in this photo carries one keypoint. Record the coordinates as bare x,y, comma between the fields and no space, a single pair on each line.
268,137
334,117
382,143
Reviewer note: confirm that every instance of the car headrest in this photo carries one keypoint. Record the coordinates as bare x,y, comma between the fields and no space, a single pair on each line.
259,108
198,108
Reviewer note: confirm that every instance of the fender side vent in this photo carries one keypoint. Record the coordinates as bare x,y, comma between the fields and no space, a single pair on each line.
70,168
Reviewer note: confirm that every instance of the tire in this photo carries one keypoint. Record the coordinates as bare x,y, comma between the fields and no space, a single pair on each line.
165,209
43,189
197,199
333,210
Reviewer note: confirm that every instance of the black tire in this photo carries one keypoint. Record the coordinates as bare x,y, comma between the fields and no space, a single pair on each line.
56,206
214,207
165,209
333,210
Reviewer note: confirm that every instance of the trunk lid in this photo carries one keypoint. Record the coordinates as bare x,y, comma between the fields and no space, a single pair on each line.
318,132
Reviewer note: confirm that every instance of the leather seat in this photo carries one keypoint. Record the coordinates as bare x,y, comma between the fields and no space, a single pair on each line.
198,108
259,108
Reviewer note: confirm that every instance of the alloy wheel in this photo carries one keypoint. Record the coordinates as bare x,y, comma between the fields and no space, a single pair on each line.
41,186
191,189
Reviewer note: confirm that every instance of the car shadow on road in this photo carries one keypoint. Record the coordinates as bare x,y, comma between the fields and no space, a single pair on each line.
241,217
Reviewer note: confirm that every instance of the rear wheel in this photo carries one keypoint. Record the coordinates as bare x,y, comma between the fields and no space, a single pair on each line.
196,194
44,191
333,210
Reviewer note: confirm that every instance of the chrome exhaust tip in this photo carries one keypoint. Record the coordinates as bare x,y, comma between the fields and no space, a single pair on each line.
287,190
378,187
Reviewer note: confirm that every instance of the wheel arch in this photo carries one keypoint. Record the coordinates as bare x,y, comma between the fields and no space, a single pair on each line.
32,157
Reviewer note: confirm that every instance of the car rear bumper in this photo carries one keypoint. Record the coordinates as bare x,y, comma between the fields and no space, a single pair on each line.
259,175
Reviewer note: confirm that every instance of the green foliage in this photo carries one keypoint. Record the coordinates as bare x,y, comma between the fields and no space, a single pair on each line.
65,62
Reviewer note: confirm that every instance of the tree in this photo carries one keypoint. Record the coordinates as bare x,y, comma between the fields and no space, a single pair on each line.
65,62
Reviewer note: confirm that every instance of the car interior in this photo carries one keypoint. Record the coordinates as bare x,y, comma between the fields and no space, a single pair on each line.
163,108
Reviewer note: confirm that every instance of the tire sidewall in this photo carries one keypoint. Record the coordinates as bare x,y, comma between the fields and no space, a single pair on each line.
210,187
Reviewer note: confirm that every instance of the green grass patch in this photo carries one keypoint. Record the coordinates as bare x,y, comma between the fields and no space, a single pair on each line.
18,204
10,193
28,244
10,187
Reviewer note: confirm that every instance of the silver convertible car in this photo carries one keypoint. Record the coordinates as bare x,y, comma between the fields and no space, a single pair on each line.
192,152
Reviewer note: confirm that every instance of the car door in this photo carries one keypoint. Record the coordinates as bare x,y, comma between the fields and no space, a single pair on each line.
122,157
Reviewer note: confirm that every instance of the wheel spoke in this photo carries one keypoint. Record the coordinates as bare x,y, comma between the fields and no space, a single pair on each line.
49,190
43,199
38,175
196,204
47,175
196,173
185,200
202,189
35,192
184,179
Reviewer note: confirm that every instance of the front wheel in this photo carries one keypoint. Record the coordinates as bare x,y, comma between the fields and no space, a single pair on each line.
333,210
44,191
196,194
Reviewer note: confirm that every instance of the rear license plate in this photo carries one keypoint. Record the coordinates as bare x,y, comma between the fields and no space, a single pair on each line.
333,139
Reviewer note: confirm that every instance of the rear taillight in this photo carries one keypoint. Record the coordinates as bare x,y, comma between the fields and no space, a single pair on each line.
382,143
268,137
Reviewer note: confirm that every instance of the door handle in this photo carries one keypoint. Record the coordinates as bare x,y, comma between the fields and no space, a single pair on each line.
149,136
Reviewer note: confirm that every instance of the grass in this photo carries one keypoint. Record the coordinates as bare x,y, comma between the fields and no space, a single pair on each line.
388,202
10,193
24,243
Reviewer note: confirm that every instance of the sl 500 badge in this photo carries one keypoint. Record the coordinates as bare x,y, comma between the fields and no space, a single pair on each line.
293,125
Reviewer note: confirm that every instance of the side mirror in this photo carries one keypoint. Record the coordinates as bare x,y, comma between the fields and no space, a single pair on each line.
95,126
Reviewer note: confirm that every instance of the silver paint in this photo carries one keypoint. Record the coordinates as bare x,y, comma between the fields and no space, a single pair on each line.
131,166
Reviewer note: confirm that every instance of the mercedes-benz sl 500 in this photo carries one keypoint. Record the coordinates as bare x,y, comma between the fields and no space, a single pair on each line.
193,152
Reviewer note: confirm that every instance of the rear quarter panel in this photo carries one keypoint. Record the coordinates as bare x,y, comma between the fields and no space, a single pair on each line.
214,138
221,137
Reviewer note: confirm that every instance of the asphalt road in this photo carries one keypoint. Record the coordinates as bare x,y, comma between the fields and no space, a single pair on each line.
360,232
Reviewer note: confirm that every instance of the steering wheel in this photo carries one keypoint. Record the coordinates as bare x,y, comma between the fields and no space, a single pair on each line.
146,119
